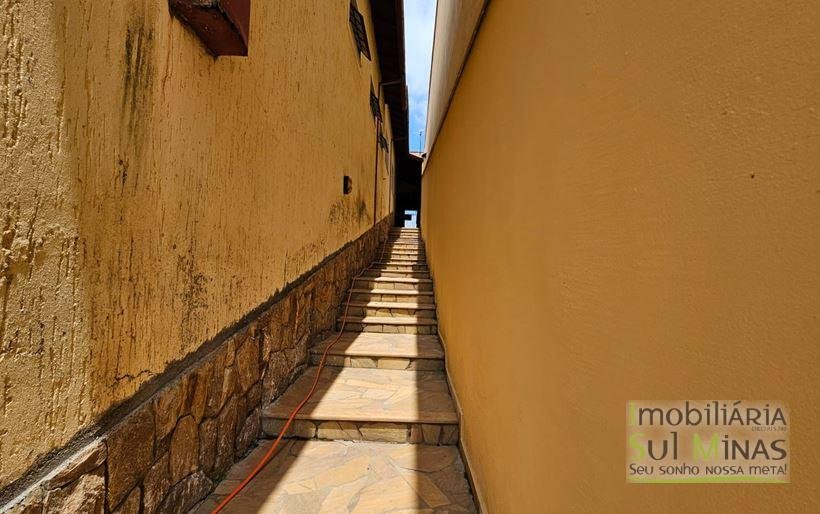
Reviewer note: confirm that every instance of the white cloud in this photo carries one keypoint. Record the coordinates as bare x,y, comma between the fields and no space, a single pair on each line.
419,22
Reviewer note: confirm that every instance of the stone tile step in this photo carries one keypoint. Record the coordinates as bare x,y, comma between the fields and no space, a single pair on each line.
409,265
340,476
405,242
399,259
388,324
400,262
382,272
393,255
400,267
391,261
363,344
398,280
385,351
407,268
402,253
390,309
412,249
396,283
384,320
390,295
401,240
414,433
399,293
403,247
394,305
364,395
402,258
408,251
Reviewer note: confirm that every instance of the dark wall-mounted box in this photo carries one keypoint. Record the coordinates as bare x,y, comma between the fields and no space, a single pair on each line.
222,25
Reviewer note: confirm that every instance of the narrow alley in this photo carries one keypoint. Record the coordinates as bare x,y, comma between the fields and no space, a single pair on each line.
383,382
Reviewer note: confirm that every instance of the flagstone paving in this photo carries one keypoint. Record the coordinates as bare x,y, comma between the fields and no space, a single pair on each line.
383,345
382,387
344,476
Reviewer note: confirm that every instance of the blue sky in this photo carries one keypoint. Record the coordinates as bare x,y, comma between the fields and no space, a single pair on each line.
419,21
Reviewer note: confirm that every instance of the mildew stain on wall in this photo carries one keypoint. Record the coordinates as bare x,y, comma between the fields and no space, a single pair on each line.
152,196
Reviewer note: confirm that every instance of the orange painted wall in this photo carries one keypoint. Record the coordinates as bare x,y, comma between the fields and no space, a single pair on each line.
624,203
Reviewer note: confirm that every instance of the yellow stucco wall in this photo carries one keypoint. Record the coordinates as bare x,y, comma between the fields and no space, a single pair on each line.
151,195
456,21
624,203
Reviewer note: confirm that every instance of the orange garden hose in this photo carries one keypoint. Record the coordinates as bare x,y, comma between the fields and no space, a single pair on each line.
293,414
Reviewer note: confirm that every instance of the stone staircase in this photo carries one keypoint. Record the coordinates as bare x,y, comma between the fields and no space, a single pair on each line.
384,379
383,382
